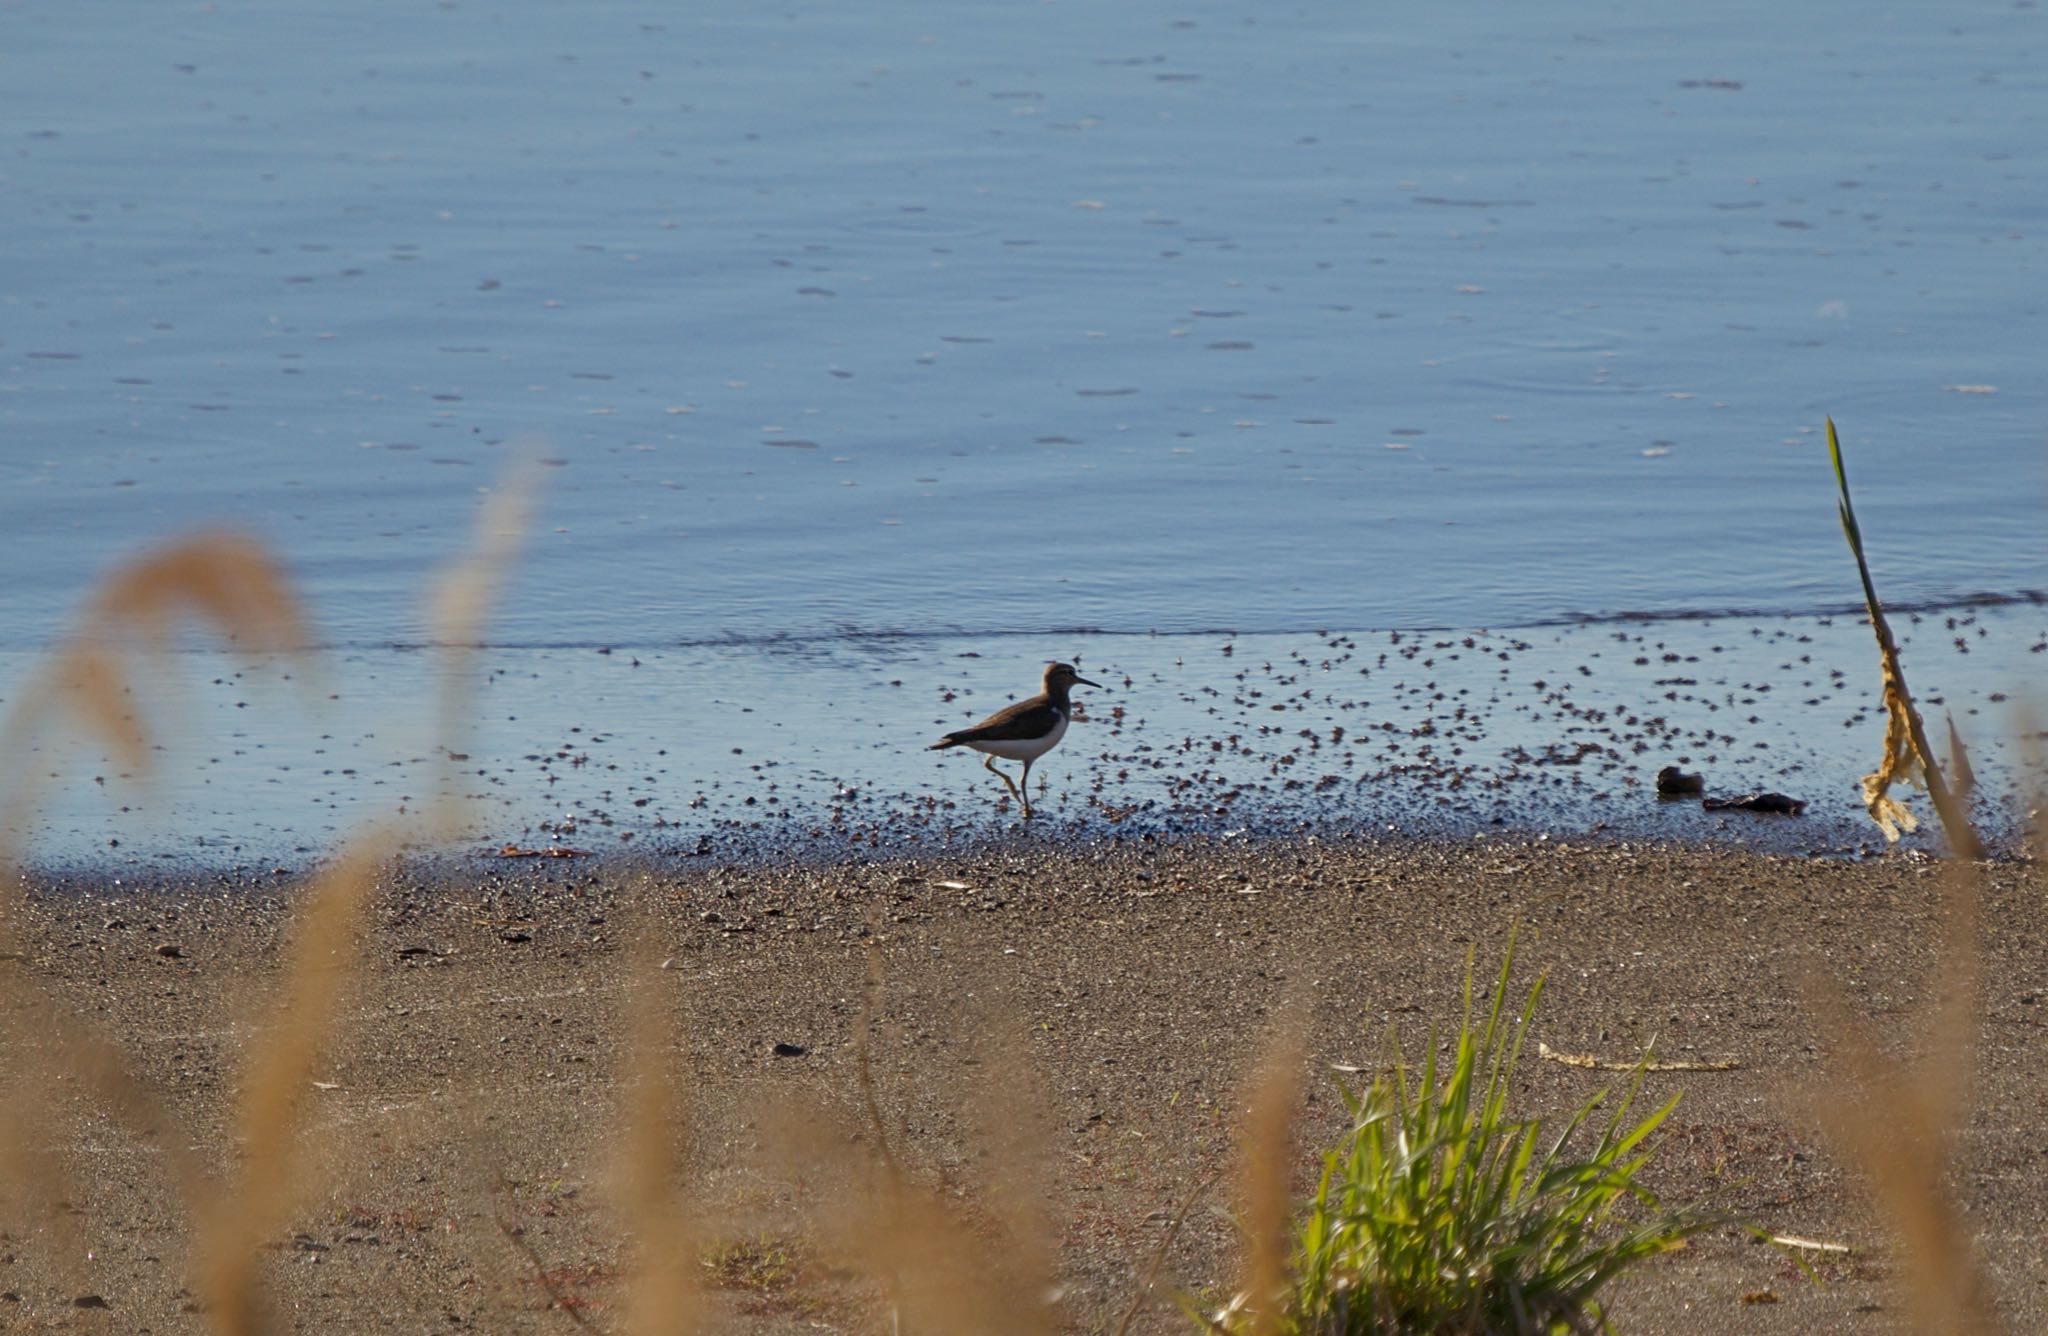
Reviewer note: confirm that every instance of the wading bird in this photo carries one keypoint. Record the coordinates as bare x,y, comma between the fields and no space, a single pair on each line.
1024,731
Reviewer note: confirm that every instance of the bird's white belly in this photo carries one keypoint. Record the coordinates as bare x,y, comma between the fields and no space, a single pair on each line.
1024,749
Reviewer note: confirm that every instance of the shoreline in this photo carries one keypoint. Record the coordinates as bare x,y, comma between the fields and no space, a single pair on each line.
1768,835
1131,987
742,751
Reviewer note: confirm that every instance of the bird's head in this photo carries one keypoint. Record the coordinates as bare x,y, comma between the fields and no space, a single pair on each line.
1060,676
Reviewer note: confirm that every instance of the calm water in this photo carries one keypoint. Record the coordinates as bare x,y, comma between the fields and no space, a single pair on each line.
977,326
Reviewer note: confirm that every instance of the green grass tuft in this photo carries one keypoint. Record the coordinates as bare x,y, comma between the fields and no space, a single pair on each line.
1445,1213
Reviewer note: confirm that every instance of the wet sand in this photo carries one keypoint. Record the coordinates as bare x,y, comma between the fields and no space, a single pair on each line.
1102,1007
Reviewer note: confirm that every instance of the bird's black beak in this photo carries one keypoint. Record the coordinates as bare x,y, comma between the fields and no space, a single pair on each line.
1086,683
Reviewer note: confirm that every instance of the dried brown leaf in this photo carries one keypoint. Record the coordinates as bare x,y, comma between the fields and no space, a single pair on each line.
1899,764
1906,753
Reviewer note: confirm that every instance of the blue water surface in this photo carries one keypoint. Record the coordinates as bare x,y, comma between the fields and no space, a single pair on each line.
955,322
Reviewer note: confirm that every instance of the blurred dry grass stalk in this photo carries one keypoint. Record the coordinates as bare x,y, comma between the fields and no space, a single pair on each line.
940,1271
665,1300
936,1266
1265,1185
1897,1120
229,583
271,1184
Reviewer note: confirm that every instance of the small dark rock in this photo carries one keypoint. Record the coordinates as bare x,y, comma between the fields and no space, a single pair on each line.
515,936
1675,783
790,1050
90,1301
1756,802
170,951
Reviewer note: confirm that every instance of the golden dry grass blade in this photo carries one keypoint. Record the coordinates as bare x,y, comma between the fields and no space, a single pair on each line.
664,1299
863,1039
2033,780
231,582
225,579
1007,1103
1016,1190
86,684
1897,1122
94,684
228,578
54,1050
458,607
460,602
33,1174
82,682
1959,771
931,1262
273,1180
1267,1170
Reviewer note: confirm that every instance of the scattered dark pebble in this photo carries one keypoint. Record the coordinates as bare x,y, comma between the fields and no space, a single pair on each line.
1756,802
790,1050
1675,783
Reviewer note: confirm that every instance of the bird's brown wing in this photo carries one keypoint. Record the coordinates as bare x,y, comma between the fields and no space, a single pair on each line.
1032,718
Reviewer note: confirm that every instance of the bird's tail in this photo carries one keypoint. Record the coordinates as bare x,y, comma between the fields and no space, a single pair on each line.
947,741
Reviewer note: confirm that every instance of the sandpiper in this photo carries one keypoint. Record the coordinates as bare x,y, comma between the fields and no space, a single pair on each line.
1024,731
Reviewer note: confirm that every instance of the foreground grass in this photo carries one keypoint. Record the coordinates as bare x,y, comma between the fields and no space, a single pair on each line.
1441,1212
1445,1213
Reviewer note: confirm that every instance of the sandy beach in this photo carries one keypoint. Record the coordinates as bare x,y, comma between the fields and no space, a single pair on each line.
1079,1020
601,449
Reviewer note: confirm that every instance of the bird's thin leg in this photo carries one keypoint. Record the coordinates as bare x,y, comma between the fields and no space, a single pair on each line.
1026,786
989,764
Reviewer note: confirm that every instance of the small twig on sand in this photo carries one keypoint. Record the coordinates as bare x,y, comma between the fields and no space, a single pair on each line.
564,1301
1159,1254
1544,1050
